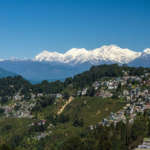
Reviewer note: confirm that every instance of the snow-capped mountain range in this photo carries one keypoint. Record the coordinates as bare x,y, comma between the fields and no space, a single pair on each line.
111,53
56,66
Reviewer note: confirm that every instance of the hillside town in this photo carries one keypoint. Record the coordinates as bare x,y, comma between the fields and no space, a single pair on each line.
132,89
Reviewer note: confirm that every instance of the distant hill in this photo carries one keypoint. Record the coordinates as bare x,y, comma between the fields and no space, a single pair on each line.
5,73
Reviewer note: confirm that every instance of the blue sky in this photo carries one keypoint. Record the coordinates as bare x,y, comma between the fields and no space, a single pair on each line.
29,26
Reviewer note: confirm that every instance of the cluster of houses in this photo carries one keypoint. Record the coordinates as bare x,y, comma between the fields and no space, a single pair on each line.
134,90
43,134
19,109
129,86
128,112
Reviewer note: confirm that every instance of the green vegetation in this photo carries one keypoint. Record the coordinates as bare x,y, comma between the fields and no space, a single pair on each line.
92,109
14,131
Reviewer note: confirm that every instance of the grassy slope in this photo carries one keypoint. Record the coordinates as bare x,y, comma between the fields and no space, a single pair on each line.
92,109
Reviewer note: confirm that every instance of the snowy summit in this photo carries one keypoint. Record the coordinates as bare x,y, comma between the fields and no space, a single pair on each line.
109,53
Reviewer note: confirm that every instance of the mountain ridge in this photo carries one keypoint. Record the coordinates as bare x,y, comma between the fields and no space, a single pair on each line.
55,66
76,56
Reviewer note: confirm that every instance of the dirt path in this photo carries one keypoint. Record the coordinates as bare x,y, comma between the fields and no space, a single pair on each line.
64,106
